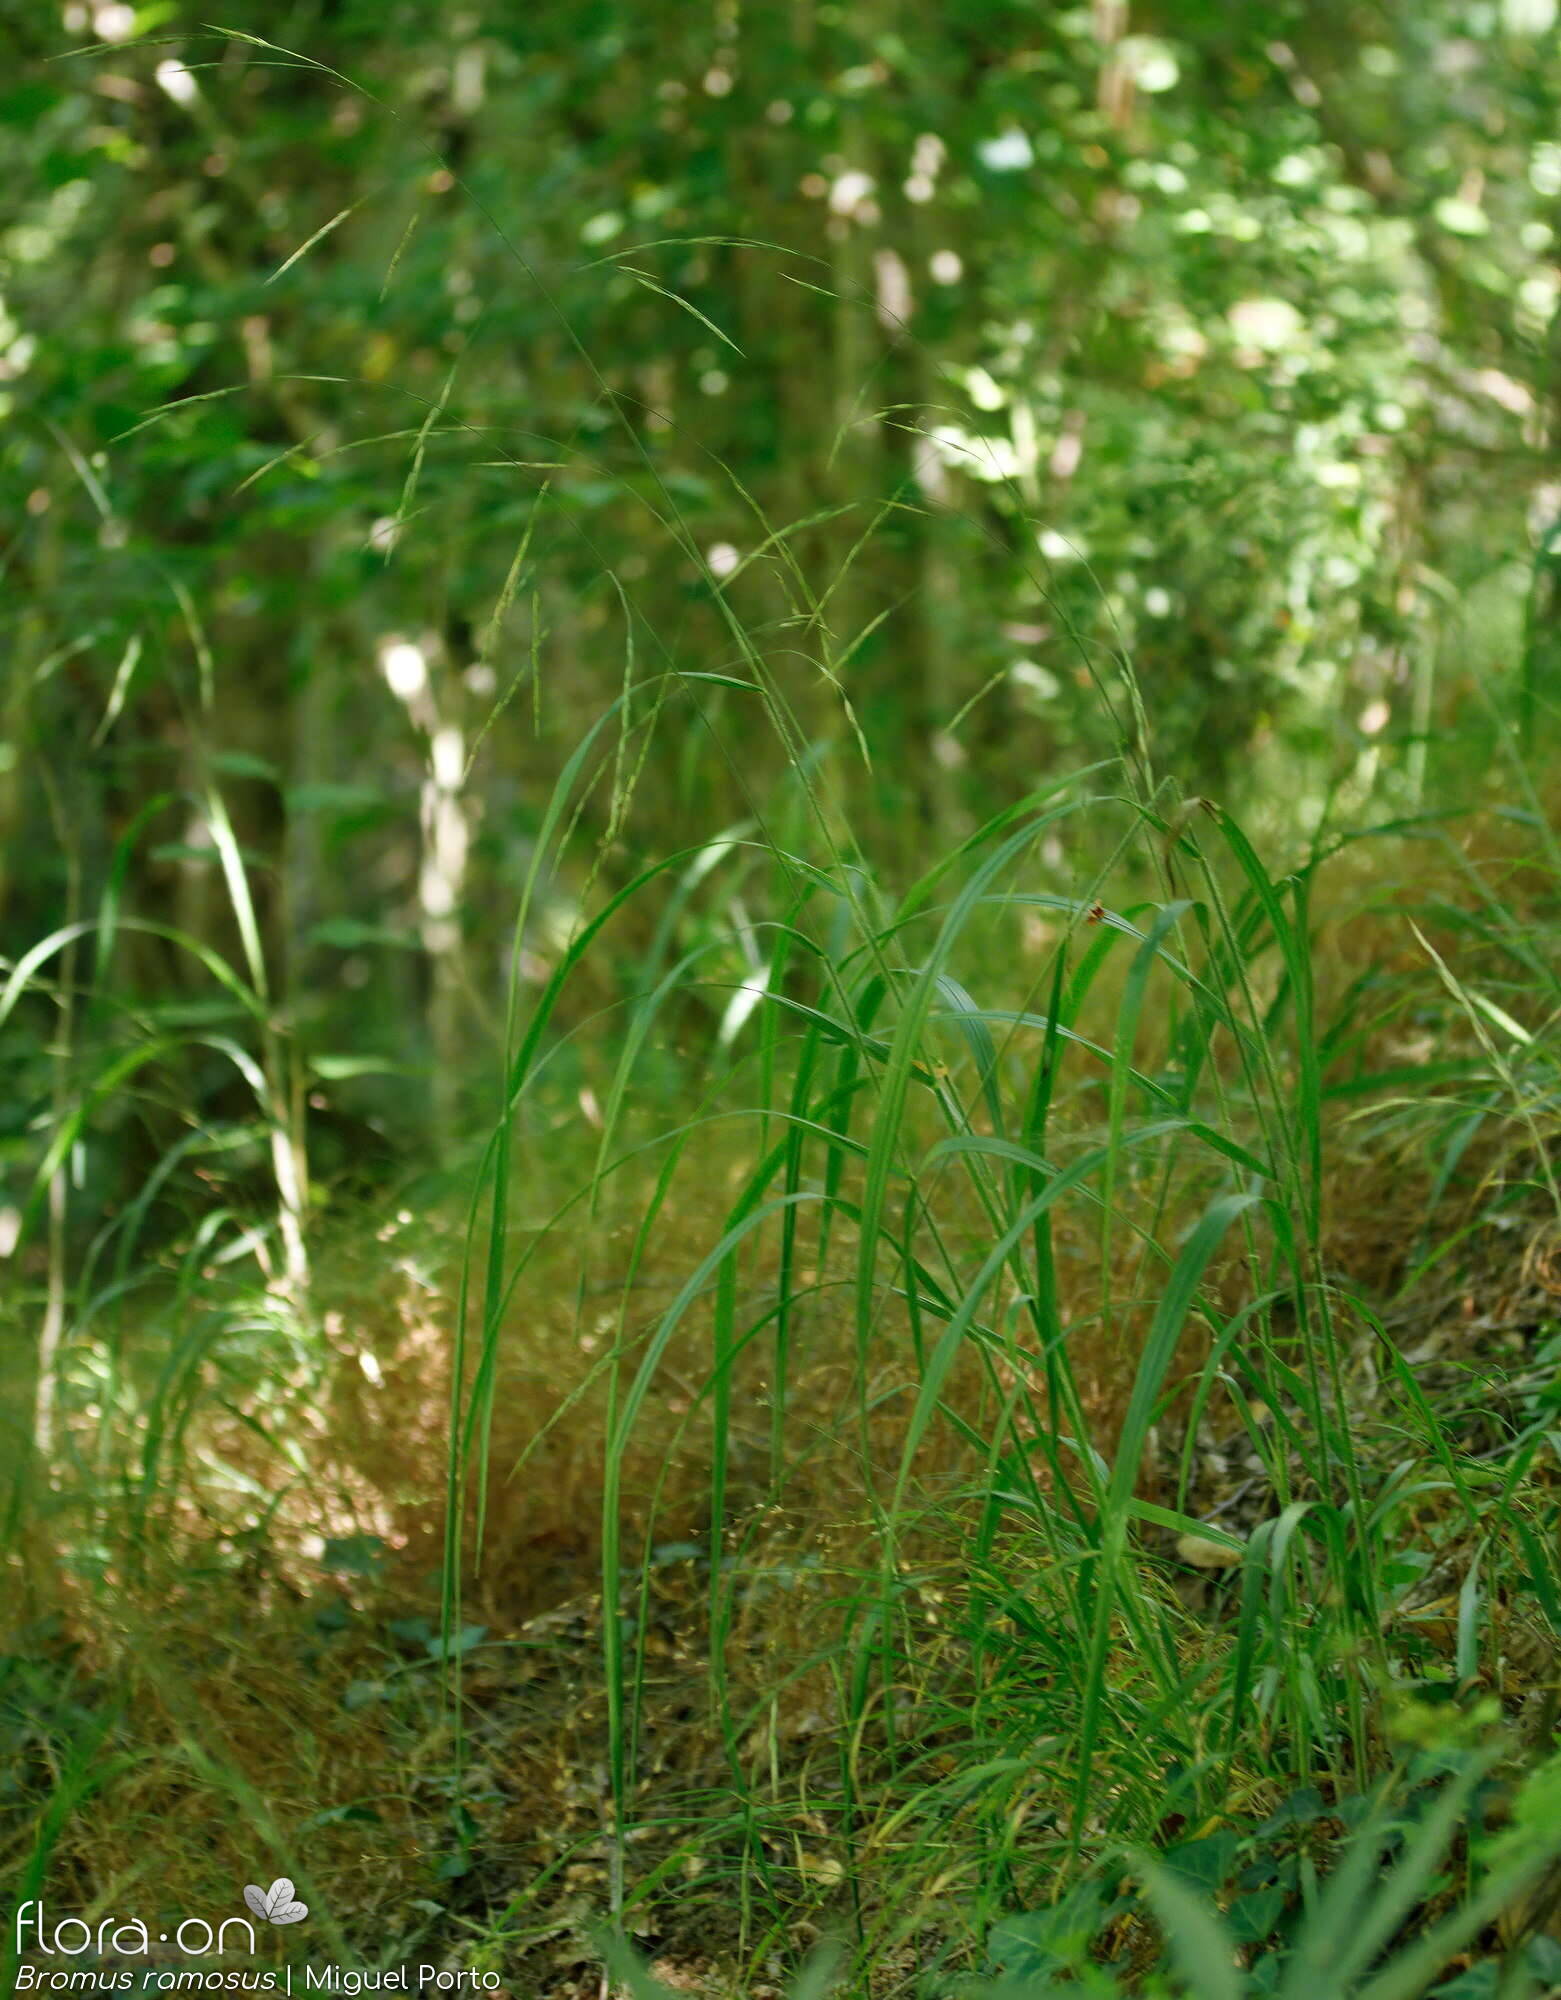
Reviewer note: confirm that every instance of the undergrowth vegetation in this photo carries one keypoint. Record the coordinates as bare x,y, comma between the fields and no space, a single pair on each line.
983,1404
962,1407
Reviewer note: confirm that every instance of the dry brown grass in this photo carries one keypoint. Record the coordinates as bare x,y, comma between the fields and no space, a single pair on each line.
229,1692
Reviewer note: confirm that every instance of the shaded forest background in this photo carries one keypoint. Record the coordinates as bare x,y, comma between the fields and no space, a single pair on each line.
1029,337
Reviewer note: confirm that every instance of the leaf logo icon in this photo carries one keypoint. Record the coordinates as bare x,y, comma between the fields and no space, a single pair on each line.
275,1905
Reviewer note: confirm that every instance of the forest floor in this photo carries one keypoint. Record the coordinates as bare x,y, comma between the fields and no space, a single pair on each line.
230,1659
290,1692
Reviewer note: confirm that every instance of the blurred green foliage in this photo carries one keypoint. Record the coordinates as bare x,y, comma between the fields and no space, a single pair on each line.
961,351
